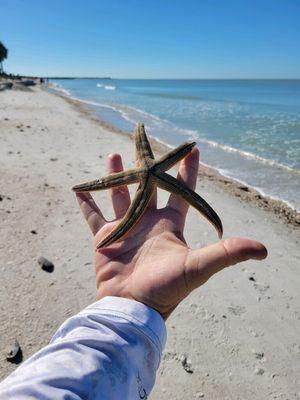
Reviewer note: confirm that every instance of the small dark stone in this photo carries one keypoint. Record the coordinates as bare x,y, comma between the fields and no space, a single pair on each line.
33,231
6,119
251,278
53,159
45,264
259,355
244,188
1,198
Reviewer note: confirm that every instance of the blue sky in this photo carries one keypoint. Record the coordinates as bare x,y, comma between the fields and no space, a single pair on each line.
153,38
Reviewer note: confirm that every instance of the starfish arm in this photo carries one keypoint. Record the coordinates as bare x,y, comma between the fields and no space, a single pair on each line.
113,180
142,144
172,185
168,160
135,211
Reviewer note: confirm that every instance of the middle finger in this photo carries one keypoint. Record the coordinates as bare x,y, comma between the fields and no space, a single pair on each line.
119,195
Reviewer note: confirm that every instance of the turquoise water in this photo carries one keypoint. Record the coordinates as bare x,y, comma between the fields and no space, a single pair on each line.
248,129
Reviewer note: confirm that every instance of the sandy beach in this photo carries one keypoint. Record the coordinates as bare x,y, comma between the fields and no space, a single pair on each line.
237,337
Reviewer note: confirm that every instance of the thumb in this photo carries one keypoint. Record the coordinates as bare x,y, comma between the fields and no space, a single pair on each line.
201,264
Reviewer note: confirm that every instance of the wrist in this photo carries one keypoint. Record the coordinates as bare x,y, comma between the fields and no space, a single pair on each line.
163,313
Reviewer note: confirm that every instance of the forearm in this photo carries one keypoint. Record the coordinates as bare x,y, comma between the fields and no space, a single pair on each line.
110,350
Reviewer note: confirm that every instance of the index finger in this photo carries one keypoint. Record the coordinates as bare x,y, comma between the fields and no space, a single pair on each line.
91,211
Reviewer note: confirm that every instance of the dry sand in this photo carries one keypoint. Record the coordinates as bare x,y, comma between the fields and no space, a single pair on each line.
237,337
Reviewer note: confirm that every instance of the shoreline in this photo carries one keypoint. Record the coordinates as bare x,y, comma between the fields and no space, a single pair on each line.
47,146
244,192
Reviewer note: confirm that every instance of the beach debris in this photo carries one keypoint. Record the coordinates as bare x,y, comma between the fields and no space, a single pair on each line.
199,395
53,159
13,350
236,310
244,188
186,363
258,354
149,175
251,278
45,264
33,231
1,198
259,371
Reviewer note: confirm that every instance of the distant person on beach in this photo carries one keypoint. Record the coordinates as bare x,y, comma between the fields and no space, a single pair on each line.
112,349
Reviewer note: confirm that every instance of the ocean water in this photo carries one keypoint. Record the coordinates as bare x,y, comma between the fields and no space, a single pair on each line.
247,129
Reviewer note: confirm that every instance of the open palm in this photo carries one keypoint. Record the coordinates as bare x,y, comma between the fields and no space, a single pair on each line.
153,264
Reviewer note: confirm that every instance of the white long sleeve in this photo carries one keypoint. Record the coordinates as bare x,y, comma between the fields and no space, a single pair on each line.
110,350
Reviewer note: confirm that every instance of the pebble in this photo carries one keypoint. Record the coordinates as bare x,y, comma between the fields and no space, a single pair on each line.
13,350
244,188
258,354
186,363
199,395
45,264
259,371
33,231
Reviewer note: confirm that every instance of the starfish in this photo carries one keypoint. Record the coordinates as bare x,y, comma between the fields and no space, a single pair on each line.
150,174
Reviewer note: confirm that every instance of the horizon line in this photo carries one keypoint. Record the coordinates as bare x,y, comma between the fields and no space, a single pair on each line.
115,78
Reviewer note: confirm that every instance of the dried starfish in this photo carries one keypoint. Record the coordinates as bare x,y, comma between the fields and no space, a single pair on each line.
150,174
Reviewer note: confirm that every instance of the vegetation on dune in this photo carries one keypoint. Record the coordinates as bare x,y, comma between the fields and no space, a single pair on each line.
3,55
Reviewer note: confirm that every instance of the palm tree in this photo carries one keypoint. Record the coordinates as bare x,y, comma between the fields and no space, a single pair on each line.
3,55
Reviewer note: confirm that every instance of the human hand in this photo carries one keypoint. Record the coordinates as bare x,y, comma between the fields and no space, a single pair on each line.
153,263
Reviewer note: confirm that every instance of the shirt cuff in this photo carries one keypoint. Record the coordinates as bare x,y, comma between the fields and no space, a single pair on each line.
144,318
